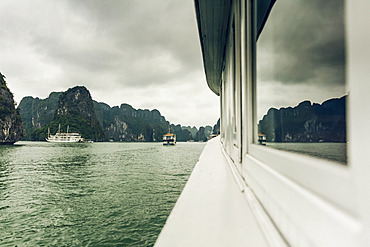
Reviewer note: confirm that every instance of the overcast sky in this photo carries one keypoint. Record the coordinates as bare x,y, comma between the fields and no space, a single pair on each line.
145,53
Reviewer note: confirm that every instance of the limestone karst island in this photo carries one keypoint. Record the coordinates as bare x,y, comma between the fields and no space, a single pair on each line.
11,129
76,111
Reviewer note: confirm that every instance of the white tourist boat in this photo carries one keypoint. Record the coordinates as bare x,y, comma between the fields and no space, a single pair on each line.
241,193
64,137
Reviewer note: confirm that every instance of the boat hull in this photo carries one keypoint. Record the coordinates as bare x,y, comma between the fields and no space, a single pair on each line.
59,141
7,143
65,138
169,143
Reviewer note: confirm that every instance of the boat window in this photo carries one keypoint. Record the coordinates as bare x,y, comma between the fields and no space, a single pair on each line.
301,94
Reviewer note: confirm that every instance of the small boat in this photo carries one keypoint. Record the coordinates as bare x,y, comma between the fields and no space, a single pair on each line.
169,139
261,139
64,137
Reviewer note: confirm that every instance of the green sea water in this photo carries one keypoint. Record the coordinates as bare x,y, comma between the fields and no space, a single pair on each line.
99,194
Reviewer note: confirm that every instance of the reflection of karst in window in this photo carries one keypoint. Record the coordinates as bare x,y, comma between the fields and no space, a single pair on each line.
301,75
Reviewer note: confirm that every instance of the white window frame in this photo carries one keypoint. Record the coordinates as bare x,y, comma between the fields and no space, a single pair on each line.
231,89
288,183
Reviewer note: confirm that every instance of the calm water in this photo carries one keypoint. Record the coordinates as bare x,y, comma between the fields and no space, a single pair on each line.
100,194
330,151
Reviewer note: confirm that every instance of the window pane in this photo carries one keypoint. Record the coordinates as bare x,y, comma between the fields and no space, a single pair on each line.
301,95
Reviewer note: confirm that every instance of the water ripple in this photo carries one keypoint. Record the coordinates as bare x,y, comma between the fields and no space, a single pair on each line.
101,194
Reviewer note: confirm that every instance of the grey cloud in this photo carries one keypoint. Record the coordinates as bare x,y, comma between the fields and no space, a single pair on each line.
121,50
125,38
299,52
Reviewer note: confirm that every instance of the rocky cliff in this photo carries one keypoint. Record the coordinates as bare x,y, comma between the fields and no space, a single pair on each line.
306,122
11,129
76,110
182,134
193,130
36,113
125,123
84,115
216,128
93,120
203,133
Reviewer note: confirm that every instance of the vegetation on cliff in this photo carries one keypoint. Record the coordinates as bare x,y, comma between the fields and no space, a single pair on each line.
36,113
11,129
97,120
182,134
125,123
203,133
216,128
193,130
76,110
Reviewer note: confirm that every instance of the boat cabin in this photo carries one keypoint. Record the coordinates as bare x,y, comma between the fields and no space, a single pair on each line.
169,139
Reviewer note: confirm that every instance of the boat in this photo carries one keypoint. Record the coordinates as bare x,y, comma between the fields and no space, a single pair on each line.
64,137
169,139
241,193
261,139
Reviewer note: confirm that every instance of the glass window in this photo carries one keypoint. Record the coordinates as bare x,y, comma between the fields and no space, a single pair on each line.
301,95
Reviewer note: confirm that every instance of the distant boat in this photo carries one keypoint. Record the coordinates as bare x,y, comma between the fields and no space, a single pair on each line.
64,137
261,139
169,139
